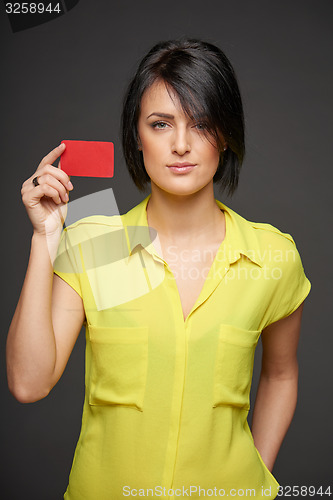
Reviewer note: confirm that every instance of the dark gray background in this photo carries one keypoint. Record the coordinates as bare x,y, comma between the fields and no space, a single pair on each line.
65,80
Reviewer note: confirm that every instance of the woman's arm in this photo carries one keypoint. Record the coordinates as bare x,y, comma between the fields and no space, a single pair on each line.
277,390
49,313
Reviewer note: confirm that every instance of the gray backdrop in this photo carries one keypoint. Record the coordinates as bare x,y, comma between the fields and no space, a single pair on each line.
65,80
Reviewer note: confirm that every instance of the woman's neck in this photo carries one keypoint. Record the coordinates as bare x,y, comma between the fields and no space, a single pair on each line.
185,218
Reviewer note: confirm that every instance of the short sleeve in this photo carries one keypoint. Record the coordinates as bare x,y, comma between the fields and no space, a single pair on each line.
67,263
291,285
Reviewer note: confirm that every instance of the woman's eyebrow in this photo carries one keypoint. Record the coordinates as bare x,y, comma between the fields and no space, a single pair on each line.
166,115
161,115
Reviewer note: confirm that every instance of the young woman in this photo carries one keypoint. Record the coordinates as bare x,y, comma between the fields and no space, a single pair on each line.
174,296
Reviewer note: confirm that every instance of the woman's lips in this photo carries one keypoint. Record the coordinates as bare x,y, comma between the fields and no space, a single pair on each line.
181,168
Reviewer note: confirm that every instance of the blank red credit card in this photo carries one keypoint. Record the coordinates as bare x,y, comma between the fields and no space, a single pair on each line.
88,158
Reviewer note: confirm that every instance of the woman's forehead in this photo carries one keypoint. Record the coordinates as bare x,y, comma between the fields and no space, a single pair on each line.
162,98
159,93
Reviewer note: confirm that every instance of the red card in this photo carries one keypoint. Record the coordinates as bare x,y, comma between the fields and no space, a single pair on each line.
88,158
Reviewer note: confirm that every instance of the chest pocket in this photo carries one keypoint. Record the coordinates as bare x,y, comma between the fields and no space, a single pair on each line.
234,366
118,366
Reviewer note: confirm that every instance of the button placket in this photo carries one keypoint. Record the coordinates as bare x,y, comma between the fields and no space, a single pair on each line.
179,384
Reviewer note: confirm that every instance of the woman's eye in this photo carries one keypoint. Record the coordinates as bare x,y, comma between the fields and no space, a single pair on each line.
158,125
162,125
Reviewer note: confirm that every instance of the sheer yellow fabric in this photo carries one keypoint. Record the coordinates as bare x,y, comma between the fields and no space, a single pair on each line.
167,400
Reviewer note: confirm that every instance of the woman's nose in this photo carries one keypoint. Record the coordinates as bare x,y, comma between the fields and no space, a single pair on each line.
181,141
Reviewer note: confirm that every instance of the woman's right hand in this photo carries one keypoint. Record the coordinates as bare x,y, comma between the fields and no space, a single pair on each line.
46,204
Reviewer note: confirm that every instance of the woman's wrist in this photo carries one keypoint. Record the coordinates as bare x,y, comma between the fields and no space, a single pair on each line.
41,242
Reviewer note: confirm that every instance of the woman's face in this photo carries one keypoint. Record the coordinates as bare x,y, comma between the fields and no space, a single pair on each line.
166,140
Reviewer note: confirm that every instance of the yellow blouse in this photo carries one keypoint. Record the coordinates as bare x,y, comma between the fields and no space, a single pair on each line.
167,400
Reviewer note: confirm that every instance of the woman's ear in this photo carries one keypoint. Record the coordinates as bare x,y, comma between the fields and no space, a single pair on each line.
139,144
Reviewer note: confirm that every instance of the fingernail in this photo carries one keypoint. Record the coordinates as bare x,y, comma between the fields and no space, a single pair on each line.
66,197
61,145
69,185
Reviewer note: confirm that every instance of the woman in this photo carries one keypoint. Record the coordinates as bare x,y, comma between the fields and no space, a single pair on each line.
174,295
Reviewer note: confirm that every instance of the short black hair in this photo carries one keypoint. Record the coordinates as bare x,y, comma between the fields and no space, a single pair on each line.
205,82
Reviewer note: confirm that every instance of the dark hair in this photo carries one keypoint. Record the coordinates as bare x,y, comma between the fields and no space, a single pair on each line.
204,80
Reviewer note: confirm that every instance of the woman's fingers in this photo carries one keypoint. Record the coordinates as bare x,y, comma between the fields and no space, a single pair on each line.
52,156
55,172
46,167
46,190
49,173
46,200
51,181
